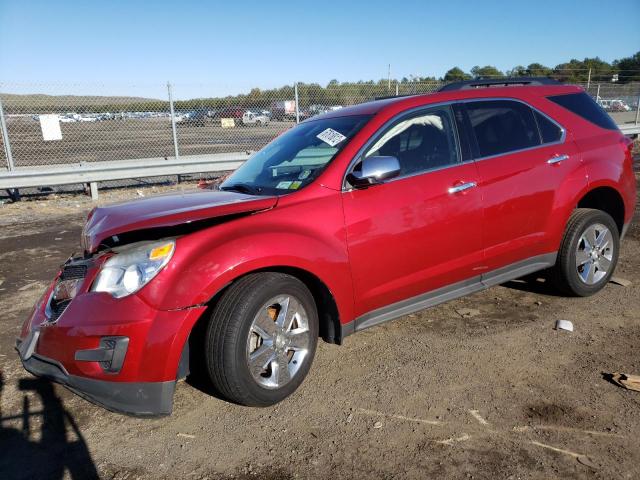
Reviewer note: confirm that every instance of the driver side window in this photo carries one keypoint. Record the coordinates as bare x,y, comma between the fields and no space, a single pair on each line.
422,142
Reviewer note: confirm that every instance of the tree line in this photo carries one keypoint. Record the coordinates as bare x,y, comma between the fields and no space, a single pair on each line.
348,93
623,71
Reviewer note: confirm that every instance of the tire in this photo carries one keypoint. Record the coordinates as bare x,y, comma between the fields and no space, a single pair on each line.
237,339
570,275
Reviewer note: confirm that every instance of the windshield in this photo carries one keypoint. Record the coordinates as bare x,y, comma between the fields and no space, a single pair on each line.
296,158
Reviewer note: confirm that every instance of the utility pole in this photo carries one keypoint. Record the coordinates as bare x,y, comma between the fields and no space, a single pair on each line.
176,150
295,90
589,80
5,139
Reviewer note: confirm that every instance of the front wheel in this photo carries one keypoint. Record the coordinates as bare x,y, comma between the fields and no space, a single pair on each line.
261,339
588,254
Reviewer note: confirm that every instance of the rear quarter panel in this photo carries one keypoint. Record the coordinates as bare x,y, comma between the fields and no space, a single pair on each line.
603,164
609,165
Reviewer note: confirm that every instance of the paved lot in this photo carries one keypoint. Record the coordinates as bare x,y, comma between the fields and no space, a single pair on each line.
499,394
622,118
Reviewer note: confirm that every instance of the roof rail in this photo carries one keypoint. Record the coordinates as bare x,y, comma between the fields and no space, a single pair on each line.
499,82
385,97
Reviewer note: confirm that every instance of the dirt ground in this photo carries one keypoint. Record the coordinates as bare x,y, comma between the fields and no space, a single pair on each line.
494,392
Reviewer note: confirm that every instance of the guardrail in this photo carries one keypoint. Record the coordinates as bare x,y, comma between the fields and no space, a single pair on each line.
119,170
630,129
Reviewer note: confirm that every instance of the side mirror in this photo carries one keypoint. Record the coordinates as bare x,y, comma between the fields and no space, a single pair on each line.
374,170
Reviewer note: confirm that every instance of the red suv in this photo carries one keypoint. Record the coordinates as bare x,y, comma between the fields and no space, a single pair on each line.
346,221
230,112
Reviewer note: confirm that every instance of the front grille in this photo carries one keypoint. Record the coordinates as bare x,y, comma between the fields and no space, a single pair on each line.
57,308
71,272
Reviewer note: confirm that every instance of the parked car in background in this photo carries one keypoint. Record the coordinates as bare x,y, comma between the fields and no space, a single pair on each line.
254,118
69,118
284,110
303,115
178,117
320,109
198,118
614,105
343,222
619,106
230,112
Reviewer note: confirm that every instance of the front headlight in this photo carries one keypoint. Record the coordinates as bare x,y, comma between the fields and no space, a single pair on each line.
132,268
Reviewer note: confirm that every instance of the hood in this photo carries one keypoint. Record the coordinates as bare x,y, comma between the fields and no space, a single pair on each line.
167,211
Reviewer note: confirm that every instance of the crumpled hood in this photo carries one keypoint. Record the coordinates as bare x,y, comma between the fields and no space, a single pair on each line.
166,211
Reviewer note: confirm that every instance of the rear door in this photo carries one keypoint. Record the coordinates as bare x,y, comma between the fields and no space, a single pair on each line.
523,157
422,230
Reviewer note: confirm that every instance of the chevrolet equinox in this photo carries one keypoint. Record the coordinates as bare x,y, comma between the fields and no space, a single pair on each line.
348,220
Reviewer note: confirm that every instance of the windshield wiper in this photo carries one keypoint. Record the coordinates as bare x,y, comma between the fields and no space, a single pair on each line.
242,188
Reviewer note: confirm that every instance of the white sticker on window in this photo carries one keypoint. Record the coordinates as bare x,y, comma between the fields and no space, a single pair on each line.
331,137
283,185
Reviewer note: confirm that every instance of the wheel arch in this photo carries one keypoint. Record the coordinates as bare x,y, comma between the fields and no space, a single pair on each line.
606,199
330,329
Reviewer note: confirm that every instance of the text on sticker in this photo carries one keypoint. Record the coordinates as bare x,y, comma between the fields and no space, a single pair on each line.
331,137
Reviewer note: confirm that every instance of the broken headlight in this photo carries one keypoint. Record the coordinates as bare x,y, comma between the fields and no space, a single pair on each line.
132,267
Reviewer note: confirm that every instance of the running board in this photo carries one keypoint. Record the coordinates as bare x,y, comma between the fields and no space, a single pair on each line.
450,292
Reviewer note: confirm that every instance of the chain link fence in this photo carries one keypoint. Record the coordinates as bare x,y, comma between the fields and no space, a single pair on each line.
96,126
240,123
3,155
126,122
620,100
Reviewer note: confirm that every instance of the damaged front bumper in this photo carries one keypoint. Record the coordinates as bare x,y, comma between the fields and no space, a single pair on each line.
119,353
131,398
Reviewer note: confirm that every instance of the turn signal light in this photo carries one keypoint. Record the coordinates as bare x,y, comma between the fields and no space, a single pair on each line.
161,252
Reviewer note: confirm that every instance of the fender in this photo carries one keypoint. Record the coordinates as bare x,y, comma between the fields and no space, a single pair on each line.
302,233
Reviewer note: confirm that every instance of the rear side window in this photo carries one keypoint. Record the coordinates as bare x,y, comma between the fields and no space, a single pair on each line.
584,106
502,126
550,132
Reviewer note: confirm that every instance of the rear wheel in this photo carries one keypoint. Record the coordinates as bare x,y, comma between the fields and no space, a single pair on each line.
588,254
261,339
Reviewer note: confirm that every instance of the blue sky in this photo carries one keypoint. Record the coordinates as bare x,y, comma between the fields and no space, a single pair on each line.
222,47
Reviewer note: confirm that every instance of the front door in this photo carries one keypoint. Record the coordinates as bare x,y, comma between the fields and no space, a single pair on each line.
422,230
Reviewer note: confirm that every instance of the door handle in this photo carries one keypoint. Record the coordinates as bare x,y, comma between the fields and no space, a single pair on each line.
557,159
462,187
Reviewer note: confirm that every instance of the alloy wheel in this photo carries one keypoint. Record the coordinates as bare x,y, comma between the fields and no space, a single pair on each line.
594,254
278,342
